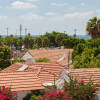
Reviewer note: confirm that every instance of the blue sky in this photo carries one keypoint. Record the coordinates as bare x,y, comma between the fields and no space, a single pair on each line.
40,16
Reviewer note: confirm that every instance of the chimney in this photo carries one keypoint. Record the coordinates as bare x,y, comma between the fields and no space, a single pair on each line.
29,61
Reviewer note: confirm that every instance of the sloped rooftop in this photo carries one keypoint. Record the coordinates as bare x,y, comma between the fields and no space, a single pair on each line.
86,74
54,55
21,81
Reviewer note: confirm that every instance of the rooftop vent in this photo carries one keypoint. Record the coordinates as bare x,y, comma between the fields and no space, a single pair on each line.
23,68
48,84
29,61
68,64
62,58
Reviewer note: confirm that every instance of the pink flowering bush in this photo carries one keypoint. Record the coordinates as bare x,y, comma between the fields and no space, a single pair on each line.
6,94
74,90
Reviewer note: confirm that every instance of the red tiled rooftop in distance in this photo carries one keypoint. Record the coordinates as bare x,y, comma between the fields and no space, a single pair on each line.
53,55
21,81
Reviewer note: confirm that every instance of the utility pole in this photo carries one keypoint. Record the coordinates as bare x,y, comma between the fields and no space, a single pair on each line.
16,33
20,29
68,58
20,34
25,31
7,31
75,30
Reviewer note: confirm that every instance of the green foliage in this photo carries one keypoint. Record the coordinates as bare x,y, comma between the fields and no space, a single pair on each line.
38,41
59,38
72,90
93,28
42,60
9,40
87,55
45,42
5,55
34,47
84,60
72,42
17,60
28,41
34,95
79,90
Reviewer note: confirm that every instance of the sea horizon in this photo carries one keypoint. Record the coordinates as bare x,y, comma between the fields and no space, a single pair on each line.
77,36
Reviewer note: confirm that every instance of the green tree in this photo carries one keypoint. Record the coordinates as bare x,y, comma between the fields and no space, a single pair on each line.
28,41
45,42
9,40
19,42
59,38
93,28
5,55
38,41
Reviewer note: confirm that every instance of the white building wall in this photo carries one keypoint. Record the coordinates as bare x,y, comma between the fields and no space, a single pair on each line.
28,56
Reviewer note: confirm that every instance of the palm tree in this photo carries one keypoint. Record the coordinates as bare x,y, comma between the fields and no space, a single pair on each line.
93,28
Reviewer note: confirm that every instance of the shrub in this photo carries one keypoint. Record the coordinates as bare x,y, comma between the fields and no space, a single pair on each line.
34,47
73,90
17,60
79,90
42,60
6,94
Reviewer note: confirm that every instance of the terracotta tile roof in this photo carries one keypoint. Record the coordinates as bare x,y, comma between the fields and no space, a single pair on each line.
87,74
53,68
12,68
53,55
21,81
46,72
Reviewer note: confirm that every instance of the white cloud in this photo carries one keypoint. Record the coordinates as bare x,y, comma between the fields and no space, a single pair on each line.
22,5
97,11
74,16
78,14
82,4
31,16
3,17
33,0
58,4
50,13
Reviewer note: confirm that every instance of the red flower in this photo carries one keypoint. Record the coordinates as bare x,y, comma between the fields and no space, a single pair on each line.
91,99
94,88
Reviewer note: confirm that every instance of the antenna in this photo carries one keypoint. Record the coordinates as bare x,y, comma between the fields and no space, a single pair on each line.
20,29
